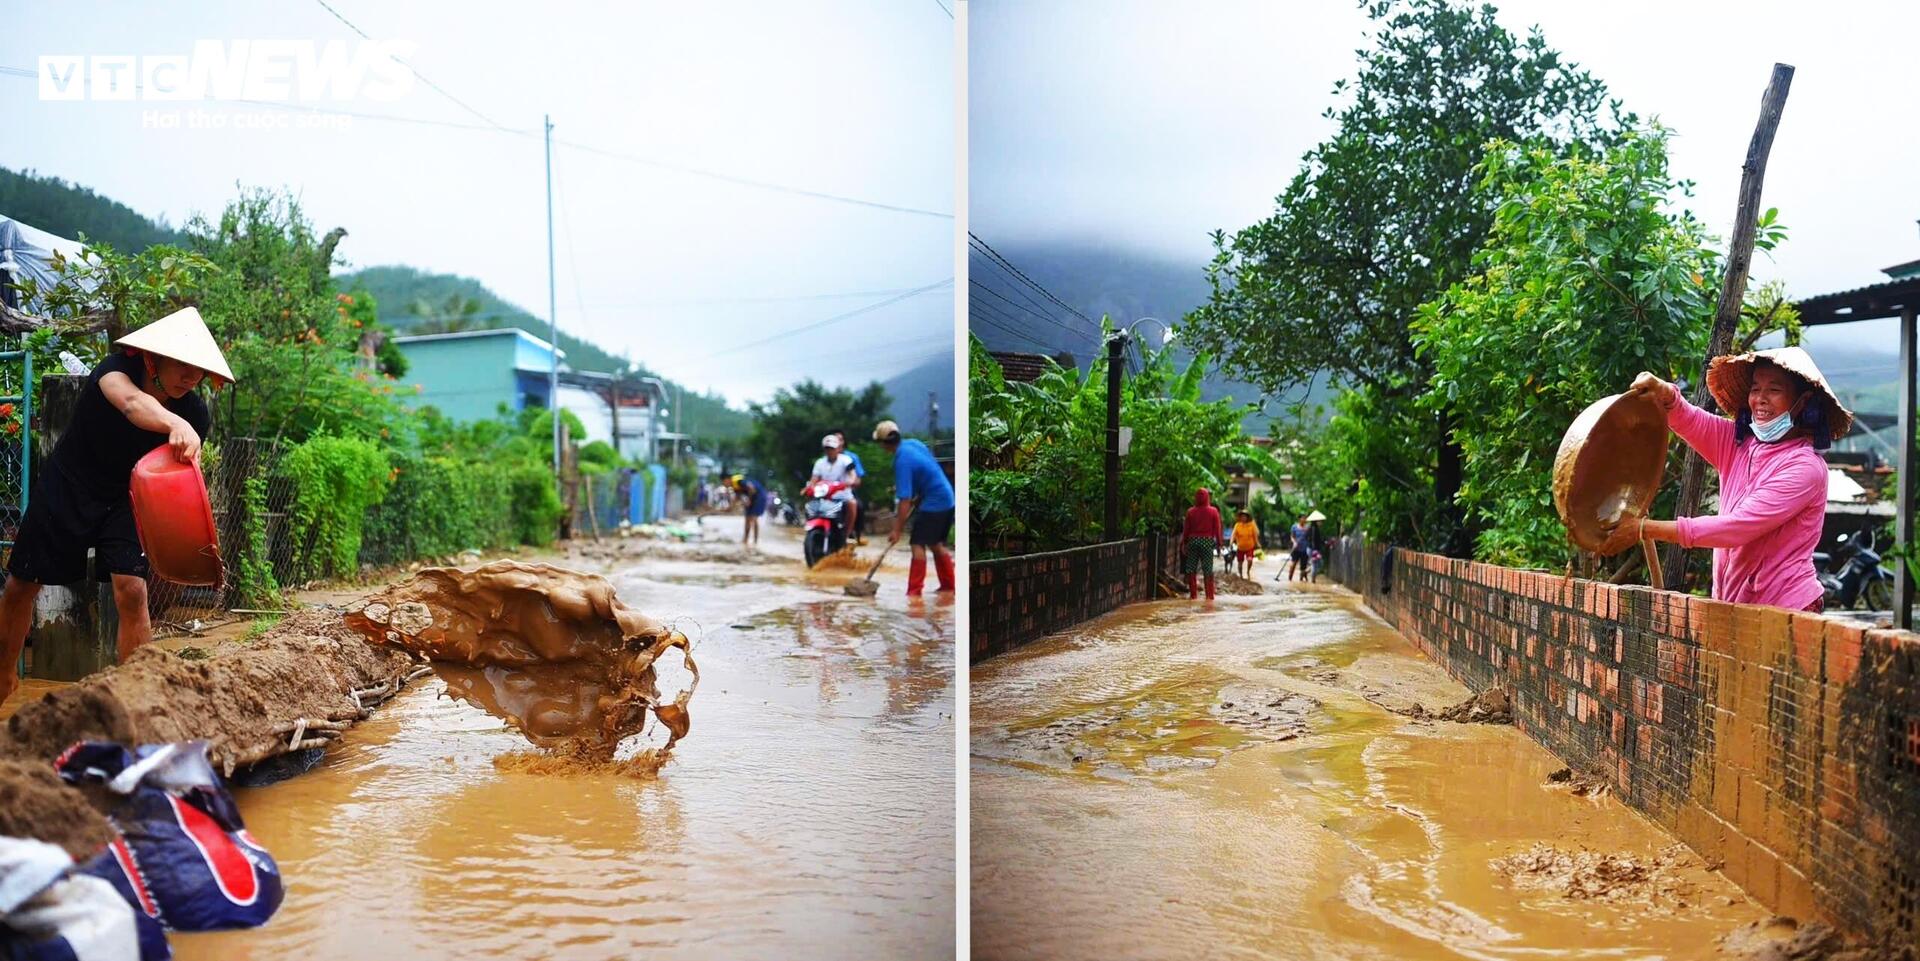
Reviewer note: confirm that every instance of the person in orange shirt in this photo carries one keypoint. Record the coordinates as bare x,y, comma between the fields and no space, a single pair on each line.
1246,540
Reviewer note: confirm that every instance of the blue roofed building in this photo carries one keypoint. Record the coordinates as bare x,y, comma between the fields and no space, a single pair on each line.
467,375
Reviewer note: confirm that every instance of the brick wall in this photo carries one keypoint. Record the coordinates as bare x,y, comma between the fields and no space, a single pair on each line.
1784,745
1017,599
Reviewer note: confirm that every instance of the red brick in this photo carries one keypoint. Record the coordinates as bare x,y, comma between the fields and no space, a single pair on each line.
1808,633
1712,625
1842,650
1796,895
1763,875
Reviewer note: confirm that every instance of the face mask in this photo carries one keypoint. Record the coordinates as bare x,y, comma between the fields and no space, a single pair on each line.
1773,430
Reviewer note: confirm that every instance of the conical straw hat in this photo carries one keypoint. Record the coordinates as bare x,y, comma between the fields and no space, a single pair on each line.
1729,377
1316,516
183,336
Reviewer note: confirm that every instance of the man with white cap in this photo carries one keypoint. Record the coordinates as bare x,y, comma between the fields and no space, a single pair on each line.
835,467
140,397
1773,481
926,498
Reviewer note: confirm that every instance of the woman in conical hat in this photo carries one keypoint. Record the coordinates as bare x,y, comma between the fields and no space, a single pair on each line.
142,396
1773,481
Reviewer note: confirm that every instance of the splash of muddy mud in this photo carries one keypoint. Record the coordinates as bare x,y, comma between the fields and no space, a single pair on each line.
1597,876
551,650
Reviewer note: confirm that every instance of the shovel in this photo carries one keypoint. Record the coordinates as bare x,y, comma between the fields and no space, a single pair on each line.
868,587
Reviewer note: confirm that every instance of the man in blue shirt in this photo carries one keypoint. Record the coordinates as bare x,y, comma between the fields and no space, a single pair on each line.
926,498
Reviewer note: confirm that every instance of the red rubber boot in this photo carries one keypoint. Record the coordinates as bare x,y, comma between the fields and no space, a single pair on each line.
916,577
1193,586
1209,588
943,568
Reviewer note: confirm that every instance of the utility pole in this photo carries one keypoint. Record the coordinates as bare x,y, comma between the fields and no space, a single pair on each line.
553,322
1116,357
1733,290
679,404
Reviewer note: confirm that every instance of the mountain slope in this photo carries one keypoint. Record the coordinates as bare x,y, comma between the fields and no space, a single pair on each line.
908,390
70,210
395,288
1123,284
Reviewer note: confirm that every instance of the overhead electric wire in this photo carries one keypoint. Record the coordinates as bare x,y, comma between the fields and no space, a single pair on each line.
986,313
1015,331
986,248
410,69
1019,283
943,8
750,182
1003,299
816,325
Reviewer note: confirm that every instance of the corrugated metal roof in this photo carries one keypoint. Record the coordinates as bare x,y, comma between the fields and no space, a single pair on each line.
1866,303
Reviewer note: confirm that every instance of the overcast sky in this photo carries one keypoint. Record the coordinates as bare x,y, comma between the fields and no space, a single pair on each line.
847,97
1141,124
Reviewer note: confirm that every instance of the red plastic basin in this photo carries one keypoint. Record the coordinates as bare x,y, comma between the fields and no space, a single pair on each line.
175,519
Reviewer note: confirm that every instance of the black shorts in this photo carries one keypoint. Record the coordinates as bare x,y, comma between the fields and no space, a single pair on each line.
62,521
930,527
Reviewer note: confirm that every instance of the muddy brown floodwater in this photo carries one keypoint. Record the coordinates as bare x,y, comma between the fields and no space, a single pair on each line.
808,813
1176,780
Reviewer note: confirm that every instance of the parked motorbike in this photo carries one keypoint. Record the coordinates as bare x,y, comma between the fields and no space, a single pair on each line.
1861,578
826,520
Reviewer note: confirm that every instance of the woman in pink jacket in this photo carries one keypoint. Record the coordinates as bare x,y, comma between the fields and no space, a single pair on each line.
1773,481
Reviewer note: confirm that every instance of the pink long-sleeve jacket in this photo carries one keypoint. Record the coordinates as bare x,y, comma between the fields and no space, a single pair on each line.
1773,501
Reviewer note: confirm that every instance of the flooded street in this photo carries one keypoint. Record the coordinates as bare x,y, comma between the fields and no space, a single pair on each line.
809,813
1183,780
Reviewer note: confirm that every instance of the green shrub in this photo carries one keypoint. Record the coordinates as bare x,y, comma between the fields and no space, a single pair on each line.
536,506
335,480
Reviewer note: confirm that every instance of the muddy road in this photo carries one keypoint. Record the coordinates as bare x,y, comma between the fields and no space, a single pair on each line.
1176,780
809,814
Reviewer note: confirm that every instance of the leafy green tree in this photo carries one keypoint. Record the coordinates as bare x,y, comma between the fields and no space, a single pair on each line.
1038,449
1383,217
1587,277
785,439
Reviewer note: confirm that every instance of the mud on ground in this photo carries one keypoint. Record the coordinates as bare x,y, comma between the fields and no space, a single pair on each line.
293,688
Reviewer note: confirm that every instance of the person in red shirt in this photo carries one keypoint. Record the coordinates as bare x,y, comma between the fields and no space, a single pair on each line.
1199,541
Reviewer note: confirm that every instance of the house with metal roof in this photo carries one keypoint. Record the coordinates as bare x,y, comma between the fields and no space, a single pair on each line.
468,374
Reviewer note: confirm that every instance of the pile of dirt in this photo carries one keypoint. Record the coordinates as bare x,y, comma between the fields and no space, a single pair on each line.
551,650
291,690
1235,584
1491,706
619,550
35,803
1785,939
1594,876
294,687
1578,783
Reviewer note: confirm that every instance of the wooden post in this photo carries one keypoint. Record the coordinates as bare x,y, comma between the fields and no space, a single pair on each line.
1903,527
1733,291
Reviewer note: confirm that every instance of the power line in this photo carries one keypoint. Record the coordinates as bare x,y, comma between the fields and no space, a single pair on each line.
979,312
996,295
987,248
943,9
766,299
1045,349
630,158
410,69
1018,287
750,182
816,325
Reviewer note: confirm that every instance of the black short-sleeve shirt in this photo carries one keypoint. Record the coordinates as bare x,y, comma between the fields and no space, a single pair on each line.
101,445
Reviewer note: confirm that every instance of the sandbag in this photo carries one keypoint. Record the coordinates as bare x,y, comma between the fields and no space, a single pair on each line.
181,855
50,913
